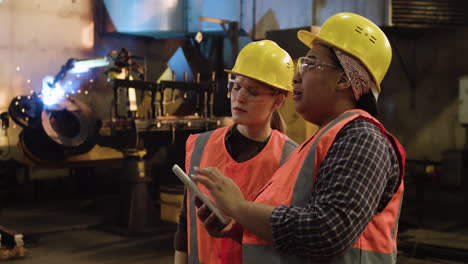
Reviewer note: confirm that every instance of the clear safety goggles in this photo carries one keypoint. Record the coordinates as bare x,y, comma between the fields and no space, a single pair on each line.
304,64
251,94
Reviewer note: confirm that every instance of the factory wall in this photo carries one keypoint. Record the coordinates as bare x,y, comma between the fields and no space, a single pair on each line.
419,100
274,15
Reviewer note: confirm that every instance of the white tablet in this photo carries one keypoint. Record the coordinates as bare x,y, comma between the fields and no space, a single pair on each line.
194,188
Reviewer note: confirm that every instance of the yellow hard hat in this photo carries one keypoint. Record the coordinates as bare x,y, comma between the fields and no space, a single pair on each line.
266,62
357,36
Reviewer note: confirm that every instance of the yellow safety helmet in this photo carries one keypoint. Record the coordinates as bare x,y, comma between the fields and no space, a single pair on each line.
266,62
357,36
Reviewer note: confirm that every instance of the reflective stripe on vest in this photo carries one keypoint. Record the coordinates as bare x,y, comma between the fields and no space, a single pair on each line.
265,253
301,193
288,147
200,143
255,253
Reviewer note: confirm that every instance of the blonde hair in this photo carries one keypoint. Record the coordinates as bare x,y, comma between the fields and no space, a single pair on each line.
277,122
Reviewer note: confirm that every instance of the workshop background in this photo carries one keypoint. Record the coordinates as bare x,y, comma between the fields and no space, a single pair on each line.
89,180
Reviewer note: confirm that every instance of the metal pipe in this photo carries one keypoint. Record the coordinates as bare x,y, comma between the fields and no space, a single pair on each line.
163,100
185,80
197,95
212,92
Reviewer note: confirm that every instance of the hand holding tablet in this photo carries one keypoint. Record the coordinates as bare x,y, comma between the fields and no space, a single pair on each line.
194,189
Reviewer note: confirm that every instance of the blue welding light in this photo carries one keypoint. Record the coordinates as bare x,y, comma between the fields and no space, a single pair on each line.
82,66
79,70
51,95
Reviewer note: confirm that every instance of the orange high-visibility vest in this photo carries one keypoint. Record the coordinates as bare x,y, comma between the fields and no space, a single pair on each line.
293,184
209,150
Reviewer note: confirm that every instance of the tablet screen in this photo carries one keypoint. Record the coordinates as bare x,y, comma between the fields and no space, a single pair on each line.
194,189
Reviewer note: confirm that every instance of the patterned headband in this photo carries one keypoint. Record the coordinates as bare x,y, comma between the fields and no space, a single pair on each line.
356,72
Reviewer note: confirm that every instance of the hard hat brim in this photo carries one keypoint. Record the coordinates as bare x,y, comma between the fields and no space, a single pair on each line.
258,80
236,73
307,37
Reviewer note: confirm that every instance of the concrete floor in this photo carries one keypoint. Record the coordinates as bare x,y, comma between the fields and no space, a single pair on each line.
72,231
69,232
96,246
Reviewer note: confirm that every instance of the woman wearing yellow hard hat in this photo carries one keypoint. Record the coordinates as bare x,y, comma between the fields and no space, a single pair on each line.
248,152
337,199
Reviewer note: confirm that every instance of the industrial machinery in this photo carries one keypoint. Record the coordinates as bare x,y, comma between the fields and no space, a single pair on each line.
54,124
57,126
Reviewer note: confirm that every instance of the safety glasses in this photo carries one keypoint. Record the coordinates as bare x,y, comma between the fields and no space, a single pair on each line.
251,94
304,64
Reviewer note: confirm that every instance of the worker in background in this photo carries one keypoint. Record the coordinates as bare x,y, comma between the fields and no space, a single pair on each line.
248,152
337,199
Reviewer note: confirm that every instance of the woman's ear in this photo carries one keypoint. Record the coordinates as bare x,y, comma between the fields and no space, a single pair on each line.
279,100
343,82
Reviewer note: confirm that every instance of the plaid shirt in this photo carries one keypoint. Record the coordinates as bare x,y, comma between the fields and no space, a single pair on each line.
357,179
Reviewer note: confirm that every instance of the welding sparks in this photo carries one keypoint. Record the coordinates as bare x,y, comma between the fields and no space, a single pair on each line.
51,95
53,92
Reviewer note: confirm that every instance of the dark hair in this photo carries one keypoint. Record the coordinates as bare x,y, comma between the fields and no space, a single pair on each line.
368,103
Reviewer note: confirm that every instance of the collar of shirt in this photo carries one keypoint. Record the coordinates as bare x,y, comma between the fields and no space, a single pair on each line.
240,147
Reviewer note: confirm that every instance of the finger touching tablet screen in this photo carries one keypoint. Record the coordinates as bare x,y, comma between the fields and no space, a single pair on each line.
194,189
